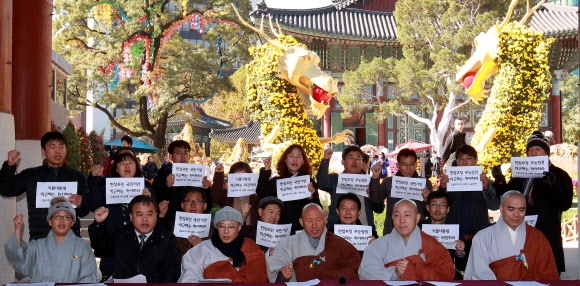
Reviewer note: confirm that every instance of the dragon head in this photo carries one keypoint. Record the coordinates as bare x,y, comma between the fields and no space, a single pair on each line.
299,66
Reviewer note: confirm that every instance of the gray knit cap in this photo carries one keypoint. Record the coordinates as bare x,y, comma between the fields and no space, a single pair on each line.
62,206
227,213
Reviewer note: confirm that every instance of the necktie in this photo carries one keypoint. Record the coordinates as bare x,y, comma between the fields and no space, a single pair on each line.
142,238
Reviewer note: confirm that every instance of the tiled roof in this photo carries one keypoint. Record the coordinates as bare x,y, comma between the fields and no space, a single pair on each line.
555,20
203,121
335,22
250,133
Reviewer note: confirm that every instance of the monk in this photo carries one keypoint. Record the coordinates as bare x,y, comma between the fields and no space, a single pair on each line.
226,255
511,249
314,252
406,253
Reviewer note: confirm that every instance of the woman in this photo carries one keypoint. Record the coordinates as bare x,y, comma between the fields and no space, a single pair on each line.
60,257
247,206
293,162
126,165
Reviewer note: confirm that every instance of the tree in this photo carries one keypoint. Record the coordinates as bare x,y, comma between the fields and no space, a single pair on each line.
436,36
133,50
231,105
74,156
570,110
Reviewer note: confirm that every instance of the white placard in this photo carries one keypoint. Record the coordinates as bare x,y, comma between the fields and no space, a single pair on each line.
529,167
408,188
35,284
123,190
187,224
464,179
139,278
46,191
188,174
446,234
293,188
242,184
353,183
357,235
531,220
269,235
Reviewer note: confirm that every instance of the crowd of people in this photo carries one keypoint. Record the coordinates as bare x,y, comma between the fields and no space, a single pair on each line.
137,238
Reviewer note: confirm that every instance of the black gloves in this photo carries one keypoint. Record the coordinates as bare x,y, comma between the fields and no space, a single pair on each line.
549,178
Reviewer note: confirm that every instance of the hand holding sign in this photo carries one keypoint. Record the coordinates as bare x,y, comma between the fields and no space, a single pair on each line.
353,183
529,167
293,188
188,174
187,224
408,188
242,184
46,191
464,178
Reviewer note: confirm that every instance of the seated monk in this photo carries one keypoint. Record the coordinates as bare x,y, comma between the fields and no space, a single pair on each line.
511,249
406,253
226,255
314,252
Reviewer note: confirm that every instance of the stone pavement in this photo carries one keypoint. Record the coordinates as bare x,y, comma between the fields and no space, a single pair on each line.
572,255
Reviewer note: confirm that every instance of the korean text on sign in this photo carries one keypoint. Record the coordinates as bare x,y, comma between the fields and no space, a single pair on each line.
529,167
46,191
123,190
293,188
353,183
408,188
242,184
269,235
463,179
187,224
188,174
357,235
446,234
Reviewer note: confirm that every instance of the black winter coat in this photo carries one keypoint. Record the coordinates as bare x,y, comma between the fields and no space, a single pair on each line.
158,260
12,185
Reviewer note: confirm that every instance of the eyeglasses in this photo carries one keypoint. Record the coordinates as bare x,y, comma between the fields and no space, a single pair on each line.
179,153
195,202
62,217
354,158
440,205
226,227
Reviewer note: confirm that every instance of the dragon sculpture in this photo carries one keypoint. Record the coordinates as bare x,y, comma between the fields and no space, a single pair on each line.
519,56
282,76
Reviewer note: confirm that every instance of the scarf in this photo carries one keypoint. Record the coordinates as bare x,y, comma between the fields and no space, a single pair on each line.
232,249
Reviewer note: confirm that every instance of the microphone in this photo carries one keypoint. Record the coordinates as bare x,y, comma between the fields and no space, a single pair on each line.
342,280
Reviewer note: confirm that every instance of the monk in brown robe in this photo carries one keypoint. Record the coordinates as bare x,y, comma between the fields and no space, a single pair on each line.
511,249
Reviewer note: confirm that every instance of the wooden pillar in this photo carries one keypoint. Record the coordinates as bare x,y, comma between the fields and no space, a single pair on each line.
6,17
31,68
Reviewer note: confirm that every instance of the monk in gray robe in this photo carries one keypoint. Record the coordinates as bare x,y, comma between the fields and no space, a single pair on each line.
406,253
60,257
511,249
314,252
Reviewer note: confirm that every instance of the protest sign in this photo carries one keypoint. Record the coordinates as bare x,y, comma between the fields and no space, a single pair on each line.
242,184
408,188
446,234
531,220
269,235
464,179
293,188
46,191
187,224
188,174
353,183
123,190
357,235
529,167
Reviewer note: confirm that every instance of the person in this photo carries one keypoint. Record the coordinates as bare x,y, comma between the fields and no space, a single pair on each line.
438,206
211,170
125,166
126,141
455,140
59,257
179,151
407,253
293,162
247,205
139,247
269,211
314,252
150,169
436,168
546,197
379,191
193,202
511,249
352,157
349,210
550,137
386,164
426,164
470,209
166,163
53,169
227,255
